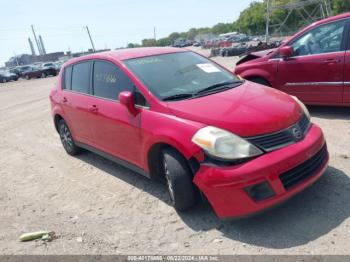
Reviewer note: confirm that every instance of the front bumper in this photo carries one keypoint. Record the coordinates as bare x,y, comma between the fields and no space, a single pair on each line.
225,187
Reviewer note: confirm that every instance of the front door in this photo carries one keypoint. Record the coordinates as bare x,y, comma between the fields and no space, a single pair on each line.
116,131
315,72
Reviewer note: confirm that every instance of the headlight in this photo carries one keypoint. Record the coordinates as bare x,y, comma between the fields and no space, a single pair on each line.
224,145
306,111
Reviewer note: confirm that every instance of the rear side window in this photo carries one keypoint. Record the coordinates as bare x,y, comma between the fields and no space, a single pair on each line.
68,78
81,77
109,81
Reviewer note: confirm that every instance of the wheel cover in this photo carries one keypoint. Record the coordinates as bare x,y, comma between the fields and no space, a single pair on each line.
66,138
168,181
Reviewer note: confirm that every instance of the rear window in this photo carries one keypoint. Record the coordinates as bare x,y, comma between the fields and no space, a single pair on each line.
68,78
81,77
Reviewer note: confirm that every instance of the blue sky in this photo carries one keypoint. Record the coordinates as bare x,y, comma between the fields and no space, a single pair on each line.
113,23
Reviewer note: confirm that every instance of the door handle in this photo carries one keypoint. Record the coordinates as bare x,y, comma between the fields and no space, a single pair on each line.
64,100
94,109
332,61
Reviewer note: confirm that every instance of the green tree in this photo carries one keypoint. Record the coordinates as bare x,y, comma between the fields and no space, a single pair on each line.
340,6
133,45
149,42
163,41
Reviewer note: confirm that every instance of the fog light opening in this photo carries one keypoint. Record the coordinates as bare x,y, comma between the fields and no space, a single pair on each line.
260,192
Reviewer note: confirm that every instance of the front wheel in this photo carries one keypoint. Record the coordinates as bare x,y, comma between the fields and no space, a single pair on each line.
43,75
178,177
4,80
67,139
27,77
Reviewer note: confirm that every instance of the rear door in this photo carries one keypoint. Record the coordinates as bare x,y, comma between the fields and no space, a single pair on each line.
116,131
77,101
315,72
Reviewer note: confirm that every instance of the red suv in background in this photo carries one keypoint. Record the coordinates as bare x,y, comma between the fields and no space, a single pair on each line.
174,115
313,65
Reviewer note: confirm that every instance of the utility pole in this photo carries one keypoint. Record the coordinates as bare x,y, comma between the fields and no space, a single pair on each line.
268,13
92,43
36,41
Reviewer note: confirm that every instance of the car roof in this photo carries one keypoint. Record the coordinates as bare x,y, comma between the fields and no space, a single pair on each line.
333,18
129,53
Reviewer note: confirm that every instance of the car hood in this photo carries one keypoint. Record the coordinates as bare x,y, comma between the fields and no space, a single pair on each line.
263,53
256,56
247,110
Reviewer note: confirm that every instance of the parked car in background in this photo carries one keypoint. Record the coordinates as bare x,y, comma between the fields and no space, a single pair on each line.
15,71
22,69
58,66
7,76
313,65
234,50
50,65
174,115
37,72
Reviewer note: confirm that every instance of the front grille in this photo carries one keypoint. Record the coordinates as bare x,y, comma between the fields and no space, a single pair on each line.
282,138
305,170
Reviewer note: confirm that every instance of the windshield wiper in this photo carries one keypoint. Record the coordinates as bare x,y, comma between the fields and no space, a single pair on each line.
220,86
177,97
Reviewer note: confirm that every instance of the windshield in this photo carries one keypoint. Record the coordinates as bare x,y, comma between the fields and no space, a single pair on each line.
178,73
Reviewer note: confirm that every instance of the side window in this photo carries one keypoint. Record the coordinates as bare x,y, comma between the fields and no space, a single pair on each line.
81,77
322,39
67,78
139,98
109,81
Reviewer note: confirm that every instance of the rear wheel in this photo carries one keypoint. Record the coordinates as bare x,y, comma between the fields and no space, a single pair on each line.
27,77
43,75
260,81
178,177
67,139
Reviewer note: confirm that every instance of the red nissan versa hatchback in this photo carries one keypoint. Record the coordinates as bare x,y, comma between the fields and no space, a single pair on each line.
313,65
172,114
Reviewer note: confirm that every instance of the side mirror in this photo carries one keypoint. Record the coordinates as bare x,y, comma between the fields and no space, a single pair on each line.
126,98
286,51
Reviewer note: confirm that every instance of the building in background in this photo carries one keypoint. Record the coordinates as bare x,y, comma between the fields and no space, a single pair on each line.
25,59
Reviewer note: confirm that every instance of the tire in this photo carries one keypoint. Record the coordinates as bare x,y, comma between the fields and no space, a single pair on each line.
67,139
183,193
43,75
4,80
260,81
27,77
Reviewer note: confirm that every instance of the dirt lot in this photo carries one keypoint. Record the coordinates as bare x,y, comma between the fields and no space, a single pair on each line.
96,206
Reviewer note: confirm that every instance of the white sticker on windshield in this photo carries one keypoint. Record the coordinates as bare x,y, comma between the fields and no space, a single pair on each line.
208,68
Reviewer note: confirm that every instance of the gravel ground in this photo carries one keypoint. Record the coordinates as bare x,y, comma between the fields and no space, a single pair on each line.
98,207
